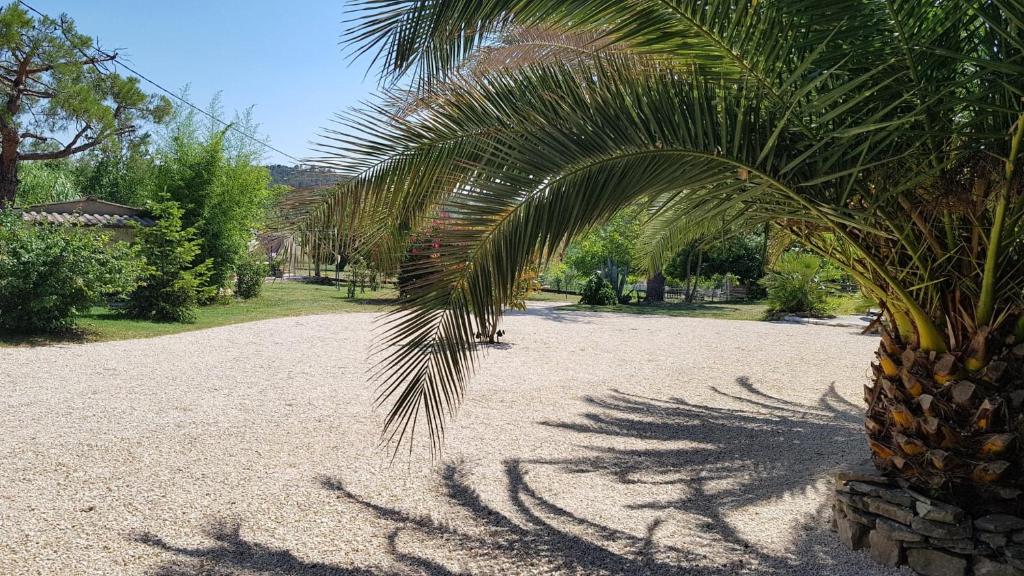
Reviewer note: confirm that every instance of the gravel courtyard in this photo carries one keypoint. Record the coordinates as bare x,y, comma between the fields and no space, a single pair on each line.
589,444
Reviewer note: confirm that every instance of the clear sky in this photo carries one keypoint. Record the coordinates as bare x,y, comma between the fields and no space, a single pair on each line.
282,56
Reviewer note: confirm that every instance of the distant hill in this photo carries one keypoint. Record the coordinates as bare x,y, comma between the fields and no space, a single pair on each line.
303,176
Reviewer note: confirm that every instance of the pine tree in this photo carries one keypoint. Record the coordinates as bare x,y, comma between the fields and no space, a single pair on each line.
171,287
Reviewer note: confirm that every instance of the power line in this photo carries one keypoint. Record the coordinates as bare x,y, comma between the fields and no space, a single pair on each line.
227,125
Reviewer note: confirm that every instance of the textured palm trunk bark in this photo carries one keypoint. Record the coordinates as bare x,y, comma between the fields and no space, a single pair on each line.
949,430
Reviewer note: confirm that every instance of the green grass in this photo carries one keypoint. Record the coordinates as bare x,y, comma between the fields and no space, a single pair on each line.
844,305
278,300
553,297
721,310
282,299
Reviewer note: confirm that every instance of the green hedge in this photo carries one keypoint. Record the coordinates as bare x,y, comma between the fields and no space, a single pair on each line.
50,274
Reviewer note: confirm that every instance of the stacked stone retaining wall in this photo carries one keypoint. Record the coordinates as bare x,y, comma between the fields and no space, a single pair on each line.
899,526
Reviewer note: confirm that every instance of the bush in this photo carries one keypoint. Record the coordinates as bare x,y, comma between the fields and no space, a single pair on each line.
277,267
51,274
795,286
171,287
250,273
597,291
625,298
358,273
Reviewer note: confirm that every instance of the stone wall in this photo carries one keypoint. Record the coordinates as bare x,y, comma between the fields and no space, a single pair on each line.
899,526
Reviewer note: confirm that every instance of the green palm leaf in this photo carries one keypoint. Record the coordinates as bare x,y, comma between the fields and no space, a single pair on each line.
855,127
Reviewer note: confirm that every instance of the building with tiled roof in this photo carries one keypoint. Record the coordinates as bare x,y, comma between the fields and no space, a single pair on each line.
89,212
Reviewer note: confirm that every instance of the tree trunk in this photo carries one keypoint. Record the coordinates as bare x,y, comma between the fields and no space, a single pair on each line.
655,288
689,275
696,278
8,174
948,430
316,256
764,250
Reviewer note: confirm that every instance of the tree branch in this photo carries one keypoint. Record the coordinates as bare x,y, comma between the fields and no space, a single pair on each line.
88,61
38,93
35,136
62,153
71,149
68,150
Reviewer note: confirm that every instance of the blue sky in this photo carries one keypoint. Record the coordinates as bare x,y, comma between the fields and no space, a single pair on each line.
283,57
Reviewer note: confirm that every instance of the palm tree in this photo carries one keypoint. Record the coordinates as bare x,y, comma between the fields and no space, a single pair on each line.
882,134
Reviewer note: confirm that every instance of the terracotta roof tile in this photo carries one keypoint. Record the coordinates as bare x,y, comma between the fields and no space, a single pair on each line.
105,220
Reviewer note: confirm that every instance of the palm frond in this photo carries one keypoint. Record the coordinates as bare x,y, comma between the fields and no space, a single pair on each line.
524,161
873,131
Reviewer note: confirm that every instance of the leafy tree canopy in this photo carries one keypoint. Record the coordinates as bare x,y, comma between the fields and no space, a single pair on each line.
121,174
47,181
60,94
741,255
610,249
214,175
615,243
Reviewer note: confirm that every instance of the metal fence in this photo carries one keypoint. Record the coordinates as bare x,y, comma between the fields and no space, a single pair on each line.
725,293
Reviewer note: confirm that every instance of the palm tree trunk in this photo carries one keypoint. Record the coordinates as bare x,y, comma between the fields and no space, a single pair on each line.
949,429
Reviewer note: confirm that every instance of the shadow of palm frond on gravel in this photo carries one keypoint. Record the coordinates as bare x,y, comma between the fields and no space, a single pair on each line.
761,448
716,459
541,537
778,445
552,313
233,555
762,445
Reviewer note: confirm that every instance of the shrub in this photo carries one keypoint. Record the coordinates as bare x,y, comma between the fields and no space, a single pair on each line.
50,274
795,287
277,267
597,291
625,298
358,272
250,273
171,287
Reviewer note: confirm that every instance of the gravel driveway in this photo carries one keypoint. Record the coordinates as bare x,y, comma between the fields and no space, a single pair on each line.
589,444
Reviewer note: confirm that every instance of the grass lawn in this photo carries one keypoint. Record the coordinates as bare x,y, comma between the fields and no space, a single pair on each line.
754,310
277,300
739,310
553,297
281,299
722,310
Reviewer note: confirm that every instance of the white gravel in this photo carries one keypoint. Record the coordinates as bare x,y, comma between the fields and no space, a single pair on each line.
589,444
